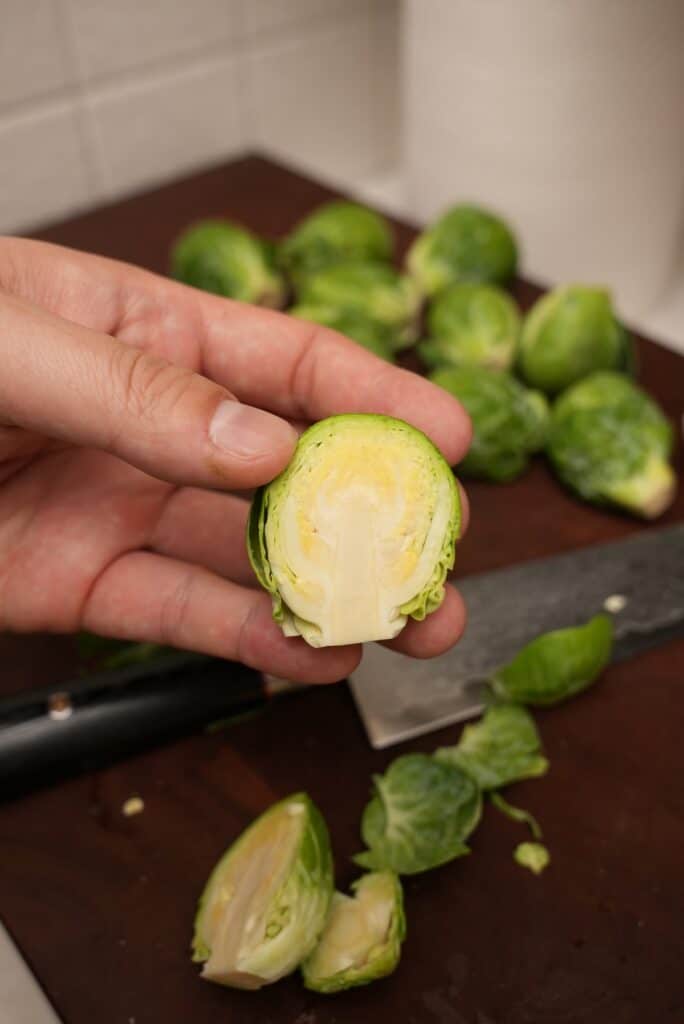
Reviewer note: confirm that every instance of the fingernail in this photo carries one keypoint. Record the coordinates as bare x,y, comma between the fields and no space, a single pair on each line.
248,432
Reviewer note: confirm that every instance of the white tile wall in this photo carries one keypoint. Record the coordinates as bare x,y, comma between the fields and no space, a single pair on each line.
42,171
144,130
271,15
100,98
311,98
113,37
33,55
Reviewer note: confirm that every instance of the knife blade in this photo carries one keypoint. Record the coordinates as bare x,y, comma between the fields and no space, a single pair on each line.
399,698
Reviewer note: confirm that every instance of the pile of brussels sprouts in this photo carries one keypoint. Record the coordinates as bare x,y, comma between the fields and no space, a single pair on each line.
269,906
558,379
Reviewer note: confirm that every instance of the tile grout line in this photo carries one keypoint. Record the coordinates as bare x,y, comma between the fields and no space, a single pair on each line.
97,171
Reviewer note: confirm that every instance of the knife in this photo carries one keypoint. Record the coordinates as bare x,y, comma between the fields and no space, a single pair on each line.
82,723
641,579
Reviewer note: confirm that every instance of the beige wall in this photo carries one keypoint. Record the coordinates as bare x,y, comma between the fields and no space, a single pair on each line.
99,98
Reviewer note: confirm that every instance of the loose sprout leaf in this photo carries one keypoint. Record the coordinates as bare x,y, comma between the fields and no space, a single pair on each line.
358,532
374,291
509,421
337,232
518,814
375,337
362,938
533,856
420,817
221,257
557,665
610,443
571,332
471,325
266,901
467,243
502,746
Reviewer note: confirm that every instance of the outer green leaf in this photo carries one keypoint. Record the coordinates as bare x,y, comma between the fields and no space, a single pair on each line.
420,817
557,665
571,332
362,938
472,325
509,422
223,258
500,748
610,443
533,856
375,291
266,901
337,232
467,243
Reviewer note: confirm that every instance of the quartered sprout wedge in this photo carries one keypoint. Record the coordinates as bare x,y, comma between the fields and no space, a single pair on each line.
267,899
362,938
357,533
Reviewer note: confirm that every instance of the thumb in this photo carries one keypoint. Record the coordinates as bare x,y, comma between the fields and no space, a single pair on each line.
87,388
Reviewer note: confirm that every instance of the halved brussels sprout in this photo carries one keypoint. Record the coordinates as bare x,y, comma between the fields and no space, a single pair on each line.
420,816
471,324
267,899
610,442
509,421
366,332
337,232
372,290
571,332
221,257
557,665
500,748
362,938
357,533
467,243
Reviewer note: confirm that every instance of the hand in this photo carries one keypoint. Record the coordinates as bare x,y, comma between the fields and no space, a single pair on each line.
130,408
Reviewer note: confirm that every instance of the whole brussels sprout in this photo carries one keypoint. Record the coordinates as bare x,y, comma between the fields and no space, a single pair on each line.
571,332
357,533
610,442
267,899
471,324
222,258
337,232
368,333
362,938
509,421
372,290
467,243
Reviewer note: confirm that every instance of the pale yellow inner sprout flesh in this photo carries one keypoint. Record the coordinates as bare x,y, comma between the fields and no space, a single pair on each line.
354,930
356,535
238,904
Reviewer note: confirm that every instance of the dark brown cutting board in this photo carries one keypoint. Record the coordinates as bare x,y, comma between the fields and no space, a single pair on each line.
102,905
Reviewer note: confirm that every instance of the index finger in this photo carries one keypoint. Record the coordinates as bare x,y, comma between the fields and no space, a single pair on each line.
303,371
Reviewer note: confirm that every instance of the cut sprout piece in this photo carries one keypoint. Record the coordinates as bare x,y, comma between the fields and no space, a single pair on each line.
267,899
362,938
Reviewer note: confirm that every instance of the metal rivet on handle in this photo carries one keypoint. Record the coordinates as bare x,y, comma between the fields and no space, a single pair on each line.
60,706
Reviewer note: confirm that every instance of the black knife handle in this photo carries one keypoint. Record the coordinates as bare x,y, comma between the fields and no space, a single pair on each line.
85,722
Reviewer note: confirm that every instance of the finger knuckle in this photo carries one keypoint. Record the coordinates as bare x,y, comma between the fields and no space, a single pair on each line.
174,611
149,388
